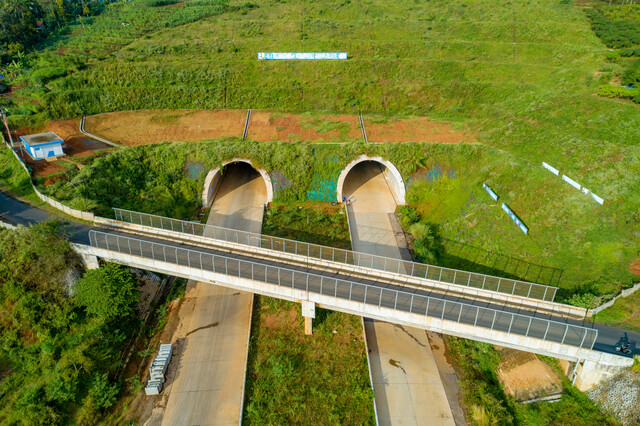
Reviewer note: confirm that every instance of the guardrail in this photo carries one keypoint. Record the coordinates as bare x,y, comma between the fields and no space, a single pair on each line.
363,260
364,131
368,294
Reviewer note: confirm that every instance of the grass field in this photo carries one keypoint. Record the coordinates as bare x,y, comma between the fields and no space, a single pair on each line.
522,77
298,379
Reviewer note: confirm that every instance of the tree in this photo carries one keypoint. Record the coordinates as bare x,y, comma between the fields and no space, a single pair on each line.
108,293
18,20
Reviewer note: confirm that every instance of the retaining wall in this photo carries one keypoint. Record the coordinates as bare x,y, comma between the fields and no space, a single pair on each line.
623,293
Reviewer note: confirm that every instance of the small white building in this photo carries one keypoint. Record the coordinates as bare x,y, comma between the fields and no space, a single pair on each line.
43,145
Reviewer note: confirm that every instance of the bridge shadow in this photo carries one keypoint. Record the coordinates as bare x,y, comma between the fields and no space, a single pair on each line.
466,257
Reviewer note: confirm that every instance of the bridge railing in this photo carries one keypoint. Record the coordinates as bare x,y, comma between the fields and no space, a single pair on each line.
364,260
398,300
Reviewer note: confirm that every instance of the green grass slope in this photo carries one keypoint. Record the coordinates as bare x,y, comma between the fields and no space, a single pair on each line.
522,75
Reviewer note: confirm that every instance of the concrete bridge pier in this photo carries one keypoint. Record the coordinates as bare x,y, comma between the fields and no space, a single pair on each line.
589,373
88,260
309,313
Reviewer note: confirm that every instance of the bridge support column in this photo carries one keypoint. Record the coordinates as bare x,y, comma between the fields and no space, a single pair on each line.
90,261
309,313
590,373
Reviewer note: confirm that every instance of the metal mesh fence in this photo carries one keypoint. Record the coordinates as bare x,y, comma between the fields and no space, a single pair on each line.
370,294
364,260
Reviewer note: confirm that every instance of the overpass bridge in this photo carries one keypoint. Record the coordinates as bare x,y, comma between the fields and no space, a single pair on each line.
479,287
590,346
372,291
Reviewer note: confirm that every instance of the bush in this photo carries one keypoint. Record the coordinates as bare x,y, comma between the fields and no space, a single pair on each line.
584,300
109,292
609,91
408,216
428,245
102,392
631,76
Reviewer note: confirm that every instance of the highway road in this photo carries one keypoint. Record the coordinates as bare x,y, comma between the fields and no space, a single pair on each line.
209,386
19,213
406,380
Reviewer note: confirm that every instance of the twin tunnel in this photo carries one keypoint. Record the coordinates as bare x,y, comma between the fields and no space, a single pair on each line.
238,171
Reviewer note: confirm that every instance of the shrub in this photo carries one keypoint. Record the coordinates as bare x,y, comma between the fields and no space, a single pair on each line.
609,91
631,76
108,293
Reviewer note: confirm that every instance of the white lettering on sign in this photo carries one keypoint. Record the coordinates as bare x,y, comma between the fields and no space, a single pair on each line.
301,55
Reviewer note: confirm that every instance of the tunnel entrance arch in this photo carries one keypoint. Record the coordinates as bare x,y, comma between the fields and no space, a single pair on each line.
391,174
214,179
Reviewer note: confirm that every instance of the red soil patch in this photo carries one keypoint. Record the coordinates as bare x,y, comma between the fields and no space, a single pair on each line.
76,145
634,268
268,126
415,130
132,128
524,376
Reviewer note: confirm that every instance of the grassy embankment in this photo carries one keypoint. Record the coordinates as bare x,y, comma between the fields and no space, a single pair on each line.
293,378
522,75
486,403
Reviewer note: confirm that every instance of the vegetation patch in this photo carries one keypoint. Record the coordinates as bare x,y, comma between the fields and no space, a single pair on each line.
486,403
618,26
313,222
61,349
297,379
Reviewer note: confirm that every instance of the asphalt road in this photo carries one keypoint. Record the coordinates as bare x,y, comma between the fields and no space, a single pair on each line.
19,213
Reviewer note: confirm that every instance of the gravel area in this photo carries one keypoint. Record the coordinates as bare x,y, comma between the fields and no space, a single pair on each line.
619,396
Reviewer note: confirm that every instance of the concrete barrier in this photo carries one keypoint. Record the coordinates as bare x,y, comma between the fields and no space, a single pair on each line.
66,209
623,293
535,305
82,122
6,225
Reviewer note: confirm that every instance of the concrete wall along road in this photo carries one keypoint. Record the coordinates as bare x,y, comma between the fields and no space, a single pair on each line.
68,210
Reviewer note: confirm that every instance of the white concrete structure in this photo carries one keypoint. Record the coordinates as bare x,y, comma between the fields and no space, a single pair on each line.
214,178
391,174
43,145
